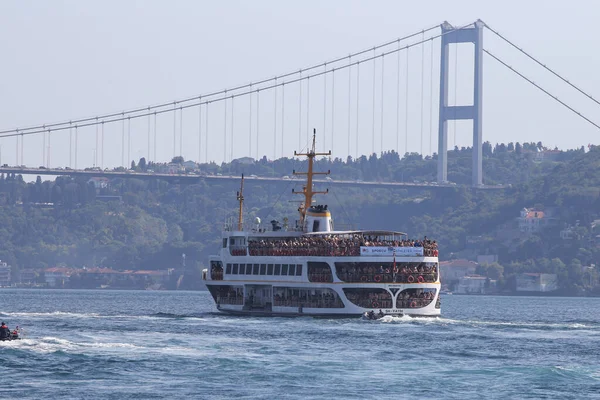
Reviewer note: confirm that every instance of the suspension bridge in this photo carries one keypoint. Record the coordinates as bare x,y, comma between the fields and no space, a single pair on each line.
372,101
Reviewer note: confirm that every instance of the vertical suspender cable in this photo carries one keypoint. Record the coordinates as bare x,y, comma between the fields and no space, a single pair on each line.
149,140
250,125
349,99
17,149
373,117
225,130
431,103
44,147
22,145
325,104
332,108
128,140
275,123
49,148
76,134
102,147
308,109
96,155
123,141
181,131
422,87
232,141
70,145
155,128
206,134
357,102
382,91
398,106
199,130
300,113
282,116
174,130
406,105
257,121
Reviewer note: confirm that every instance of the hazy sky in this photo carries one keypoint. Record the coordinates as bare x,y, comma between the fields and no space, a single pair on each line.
67,59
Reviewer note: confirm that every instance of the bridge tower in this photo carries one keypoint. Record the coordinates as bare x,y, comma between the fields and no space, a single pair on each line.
471,34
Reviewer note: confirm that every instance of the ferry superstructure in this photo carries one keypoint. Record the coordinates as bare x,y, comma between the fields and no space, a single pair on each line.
312,269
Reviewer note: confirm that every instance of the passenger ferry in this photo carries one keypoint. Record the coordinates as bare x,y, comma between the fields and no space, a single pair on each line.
312,269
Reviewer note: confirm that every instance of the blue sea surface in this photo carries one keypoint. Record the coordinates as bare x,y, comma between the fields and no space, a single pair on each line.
145,345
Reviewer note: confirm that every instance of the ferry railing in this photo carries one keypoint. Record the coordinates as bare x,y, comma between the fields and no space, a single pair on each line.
413,302
216,275
317,251
238,250
320,277
372,302
230,300
336,303
415,277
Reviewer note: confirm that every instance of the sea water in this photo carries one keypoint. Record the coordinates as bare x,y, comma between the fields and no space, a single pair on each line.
145,345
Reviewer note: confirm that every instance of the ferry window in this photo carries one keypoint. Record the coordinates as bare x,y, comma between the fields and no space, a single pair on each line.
228,270
277,269
263,269
242,268
270,269
292,270
224,242
284,269
231,241
299,270
248,269
255,270
235,269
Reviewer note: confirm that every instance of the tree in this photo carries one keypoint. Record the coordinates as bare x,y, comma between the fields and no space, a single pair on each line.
142,164
177,160
133,164
518,148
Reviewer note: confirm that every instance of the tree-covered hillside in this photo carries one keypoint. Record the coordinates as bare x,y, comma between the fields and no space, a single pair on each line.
135,224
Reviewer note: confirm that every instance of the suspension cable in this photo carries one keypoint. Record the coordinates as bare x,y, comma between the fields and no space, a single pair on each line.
217,93
542,89
199,134
431,103
543,65
196,104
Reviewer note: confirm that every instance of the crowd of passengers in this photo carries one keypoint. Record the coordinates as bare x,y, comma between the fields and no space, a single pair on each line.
229,295
370,299
319,274
308,300
406,299
329,245
410,299
216,273
415,272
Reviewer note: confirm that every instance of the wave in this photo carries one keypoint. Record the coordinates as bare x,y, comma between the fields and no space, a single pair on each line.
516,324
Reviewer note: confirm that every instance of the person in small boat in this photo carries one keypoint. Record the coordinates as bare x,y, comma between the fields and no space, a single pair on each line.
381,314
15,332
4,331
371,314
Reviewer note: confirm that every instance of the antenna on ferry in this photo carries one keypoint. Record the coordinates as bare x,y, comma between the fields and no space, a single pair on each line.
240,198
307,189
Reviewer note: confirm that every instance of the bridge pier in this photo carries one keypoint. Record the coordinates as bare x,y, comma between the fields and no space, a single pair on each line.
472,34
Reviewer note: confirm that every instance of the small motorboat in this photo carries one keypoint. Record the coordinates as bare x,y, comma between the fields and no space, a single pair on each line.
372,316
15,334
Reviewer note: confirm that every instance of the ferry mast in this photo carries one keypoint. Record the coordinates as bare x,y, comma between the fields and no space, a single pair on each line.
307,190
240,198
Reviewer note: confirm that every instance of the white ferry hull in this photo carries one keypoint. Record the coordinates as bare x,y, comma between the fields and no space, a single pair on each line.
349,309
